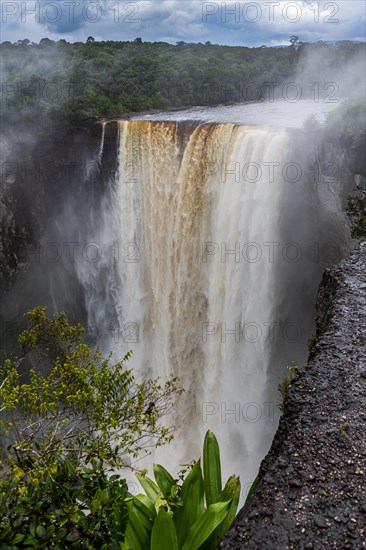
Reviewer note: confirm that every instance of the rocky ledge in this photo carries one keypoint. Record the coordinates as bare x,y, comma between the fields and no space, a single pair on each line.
311,490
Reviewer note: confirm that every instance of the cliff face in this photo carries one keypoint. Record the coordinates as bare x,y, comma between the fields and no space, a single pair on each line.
311,491
51,185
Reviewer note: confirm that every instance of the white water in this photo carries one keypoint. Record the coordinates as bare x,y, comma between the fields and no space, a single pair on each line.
101,147
279,113
174,195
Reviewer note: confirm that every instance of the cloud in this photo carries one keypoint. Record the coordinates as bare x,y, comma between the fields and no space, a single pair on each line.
233,23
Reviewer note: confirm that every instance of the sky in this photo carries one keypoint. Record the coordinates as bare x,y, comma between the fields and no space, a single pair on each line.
240,23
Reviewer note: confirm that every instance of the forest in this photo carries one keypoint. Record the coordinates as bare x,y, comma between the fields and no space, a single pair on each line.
79,83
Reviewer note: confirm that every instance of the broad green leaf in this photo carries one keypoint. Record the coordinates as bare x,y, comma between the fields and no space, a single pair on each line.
230,488
146,501
163,535
41,532
163,479
231,493
211,468
144,514
150,488
18,538
192,495
136,535
205,525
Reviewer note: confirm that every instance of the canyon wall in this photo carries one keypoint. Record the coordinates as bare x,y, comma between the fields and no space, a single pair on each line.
311,490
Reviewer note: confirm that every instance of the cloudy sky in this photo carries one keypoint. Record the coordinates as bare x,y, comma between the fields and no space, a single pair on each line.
245,23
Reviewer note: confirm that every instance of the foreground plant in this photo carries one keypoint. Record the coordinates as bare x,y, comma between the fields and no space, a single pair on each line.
73,400
63,506
189,516
63,424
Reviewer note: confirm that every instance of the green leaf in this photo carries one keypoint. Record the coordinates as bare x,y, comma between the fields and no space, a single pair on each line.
41,532
144,514
205,525
18,538
163,535
163,479
136,535
146,501
211,468
150,488
192,495
231,494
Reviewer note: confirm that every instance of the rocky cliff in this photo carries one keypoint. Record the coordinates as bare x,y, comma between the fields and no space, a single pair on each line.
311,490
51,185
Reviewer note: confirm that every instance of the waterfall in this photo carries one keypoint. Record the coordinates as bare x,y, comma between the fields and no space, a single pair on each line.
209,286
101,147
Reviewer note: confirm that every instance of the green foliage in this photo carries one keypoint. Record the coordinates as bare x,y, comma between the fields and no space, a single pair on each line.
347,124
80,83
343,427
285,385
80,404
356,209
190,515
312,341
63,425
62,506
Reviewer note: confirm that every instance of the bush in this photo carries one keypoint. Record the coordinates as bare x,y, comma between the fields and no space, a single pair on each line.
356,209
63,506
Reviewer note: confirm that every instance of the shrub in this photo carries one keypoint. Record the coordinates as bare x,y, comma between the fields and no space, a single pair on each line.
356,209
285,385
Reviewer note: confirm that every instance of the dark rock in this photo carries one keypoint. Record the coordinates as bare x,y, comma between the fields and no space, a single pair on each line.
319,448
320,522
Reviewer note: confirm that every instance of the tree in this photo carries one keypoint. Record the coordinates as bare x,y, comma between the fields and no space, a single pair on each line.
90,39
294,40
46,42
79,405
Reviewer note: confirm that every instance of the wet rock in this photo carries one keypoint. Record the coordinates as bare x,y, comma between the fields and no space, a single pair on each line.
319,449
320,522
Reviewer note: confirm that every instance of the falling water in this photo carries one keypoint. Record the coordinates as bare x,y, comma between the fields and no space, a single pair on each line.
101,147
198,231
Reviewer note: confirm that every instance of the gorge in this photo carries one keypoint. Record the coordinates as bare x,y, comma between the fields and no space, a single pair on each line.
199,244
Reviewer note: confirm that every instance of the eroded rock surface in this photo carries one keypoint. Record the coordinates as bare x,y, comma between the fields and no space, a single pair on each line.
311,491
